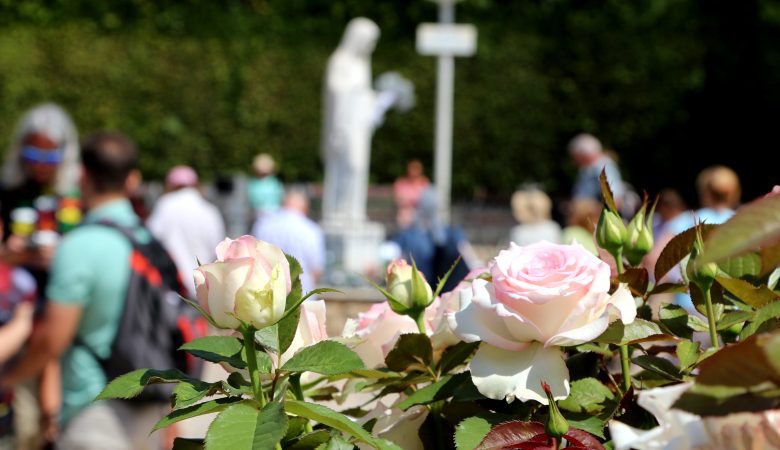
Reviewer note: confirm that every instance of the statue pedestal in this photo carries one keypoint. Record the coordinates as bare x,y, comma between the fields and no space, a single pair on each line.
352,252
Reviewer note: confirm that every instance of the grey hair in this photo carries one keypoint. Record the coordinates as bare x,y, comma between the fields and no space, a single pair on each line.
585,144
54,122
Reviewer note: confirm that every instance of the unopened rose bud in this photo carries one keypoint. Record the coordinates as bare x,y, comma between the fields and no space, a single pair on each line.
639,237
610,231
702,275
408,287
556,425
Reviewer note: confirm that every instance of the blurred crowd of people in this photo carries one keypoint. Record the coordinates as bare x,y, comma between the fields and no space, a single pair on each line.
63,281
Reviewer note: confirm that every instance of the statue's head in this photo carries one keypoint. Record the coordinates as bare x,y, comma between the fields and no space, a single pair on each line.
360,36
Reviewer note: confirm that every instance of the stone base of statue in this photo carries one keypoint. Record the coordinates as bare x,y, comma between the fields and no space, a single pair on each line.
352,252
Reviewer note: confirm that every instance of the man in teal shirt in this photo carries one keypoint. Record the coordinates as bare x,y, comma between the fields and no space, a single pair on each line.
89,279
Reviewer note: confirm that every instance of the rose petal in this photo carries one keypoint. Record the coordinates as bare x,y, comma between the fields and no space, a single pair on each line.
224,279
222,249
622,305
477,323
501,374
577,336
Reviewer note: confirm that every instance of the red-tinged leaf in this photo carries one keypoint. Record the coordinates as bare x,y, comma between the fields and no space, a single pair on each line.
748,363
579,439
637,280
513,434
669,288
754,225
678,248
770,257
606,191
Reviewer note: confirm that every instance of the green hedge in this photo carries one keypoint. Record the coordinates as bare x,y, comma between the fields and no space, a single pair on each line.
213,83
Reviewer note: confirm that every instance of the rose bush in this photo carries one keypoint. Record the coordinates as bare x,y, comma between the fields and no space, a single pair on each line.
541,297
541,323
248,282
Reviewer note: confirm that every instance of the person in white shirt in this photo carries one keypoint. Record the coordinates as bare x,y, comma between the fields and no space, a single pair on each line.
187,225
297,235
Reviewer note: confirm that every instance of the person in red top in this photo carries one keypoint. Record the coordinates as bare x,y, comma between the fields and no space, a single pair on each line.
408,189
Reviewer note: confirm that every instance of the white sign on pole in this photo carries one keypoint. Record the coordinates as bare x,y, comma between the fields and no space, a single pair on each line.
436,39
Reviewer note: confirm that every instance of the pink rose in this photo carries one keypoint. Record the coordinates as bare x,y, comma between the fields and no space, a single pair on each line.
249,281
541,296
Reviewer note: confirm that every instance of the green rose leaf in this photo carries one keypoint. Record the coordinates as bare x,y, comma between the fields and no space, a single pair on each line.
765,318
679,322
745,266
470,432
456,355
131,384
639,330
659,366
333,419
187,393
730,319
336,443
199,409
755,296
688,353
243,426
439,390
217,349
587,395
411,350
326,358
311,440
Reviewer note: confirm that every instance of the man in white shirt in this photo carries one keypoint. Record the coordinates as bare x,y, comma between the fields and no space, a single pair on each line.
187,225
297,235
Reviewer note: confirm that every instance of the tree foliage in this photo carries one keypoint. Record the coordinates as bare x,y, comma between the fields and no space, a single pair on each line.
213,83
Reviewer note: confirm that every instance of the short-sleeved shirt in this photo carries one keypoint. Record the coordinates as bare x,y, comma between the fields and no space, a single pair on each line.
91,269
265,194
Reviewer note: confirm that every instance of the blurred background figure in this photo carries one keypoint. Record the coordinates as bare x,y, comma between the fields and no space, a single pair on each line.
581,219
187,225
590,159
17,303
435,247
39,201
532,209
291,230
670,205
719,191
407,190
265,191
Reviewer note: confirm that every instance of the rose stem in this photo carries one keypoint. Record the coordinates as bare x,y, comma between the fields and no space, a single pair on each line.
624,361
420,321
250,352
295,387
711,318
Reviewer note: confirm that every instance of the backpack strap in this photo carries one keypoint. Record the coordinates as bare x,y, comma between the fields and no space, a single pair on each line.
162,261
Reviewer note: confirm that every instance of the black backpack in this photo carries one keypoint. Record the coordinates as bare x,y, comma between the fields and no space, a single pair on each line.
155,322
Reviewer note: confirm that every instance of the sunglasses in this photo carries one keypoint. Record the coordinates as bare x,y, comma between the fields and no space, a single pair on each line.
34,154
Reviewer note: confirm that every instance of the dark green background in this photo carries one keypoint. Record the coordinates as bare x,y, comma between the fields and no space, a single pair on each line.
671,85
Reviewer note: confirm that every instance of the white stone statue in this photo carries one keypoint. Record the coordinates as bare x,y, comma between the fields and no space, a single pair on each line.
352,110
349,109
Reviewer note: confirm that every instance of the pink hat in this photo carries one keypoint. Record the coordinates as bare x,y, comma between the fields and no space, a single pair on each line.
181,176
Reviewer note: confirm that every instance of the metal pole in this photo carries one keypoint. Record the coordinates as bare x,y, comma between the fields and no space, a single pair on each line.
445,80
